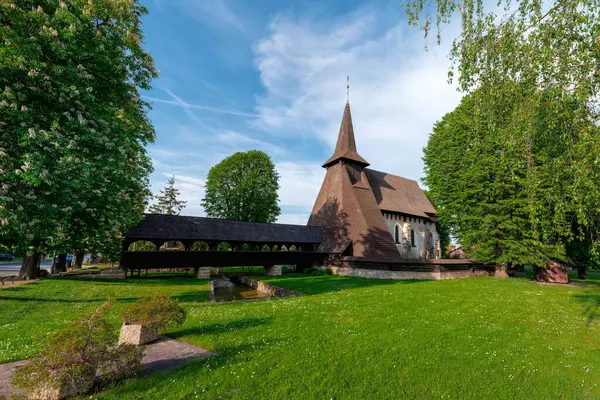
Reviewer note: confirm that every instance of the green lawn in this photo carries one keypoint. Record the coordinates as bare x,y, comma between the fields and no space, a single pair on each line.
347,338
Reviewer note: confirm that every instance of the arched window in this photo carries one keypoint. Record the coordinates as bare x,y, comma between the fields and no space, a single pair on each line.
412,238
396,233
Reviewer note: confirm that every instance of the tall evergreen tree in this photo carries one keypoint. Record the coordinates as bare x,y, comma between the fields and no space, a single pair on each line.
504,187
551,51
167,201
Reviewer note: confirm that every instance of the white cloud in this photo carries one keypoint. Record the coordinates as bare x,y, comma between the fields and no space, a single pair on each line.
294,219
397,89
300,184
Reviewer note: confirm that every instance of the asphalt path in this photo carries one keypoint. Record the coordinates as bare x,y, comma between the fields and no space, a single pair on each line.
13,267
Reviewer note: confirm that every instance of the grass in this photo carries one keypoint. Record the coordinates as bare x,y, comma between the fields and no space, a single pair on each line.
348,338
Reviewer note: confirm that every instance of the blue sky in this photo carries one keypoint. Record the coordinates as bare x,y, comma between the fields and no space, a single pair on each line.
271,75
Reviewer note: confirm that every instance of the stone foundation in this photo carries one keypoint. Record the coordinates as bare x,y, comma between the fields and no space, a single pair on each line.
407,274
273,270
202,272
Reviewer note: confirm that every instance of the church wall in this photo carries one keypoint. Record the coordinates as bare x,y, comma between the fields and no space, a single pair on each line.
420,226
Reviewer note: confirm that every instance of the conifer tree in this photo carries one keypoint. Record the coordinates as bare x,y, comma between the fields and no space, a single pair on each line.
505,189
167,201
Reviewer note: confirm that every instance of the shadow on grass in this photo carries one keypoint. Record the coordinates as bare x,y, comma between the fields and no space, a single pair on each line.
218,328
309,284
224,357
195,296
160,280
591,305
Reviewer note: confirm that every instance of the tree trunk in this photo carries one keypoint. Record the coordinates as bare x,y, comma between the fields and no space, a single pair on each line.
59,264
501,270
582,273
30,269
78,259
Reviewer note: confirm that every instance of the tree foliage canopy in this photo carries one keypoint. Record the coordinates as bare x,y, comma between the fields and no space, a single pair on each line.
73,127
243,187
507,199
532,69
167,201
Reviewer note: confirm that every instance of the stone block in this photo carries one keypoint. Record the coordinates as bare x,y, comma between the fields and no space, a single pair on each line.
273,270
552,273
203,273
62,391
219,284
136,334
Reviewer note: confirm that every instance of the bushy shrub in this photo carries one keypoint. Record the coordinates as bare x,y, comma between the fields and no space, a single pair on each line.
156,313
293,247
275,248
200,246
70,363
247,247
266,248
317,271
224,246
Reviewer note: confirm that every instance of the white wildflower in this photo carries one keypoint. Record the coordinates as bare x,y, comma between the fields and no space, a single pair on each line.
31,133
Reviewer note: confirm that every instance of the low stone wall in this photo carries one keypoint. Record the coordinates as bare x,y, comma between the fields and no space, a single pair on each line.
418,273
274,291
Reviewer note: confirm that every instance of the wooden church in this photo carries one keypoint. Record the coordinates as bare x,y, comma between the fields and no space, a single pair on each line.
371,215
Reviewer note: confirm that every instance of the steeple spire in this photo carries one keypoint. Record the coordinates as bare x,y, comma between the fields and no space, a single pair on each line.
346,144
348,89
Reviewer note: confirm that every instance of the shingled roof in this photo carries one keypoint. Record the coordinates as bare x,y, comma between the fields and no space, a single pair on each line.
346,144
351,200
178,227
397,194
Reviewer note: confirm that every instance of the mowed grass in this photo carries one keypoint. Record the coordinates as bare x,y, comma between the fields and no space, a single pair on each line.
348,338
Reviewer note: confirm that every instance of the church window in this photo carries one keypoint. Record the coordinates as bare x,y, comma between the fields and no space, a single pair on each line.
412,238
396,233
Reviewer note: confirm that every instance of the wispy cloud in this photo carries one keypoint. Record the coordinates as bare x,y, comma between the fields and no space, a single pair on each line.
397,89
238,140
218,14
177,101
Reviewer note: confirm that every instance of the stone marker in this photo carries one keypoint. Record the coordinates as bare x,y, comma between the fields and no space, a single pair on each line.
136,334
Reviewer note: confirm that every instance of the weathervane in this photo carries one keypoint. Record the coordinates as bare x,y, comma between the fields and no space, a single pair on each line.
348,89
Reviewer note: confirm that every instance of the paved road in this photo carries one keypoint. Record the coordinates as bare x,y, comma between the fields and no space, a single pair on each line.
13,267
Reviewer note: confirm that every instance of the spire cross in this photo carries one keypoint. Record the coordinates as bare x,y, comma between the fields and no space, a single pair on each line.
348,89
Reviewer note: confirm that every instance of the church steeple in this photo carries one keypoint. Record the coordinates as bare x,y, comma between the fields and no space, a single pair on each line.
345,149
